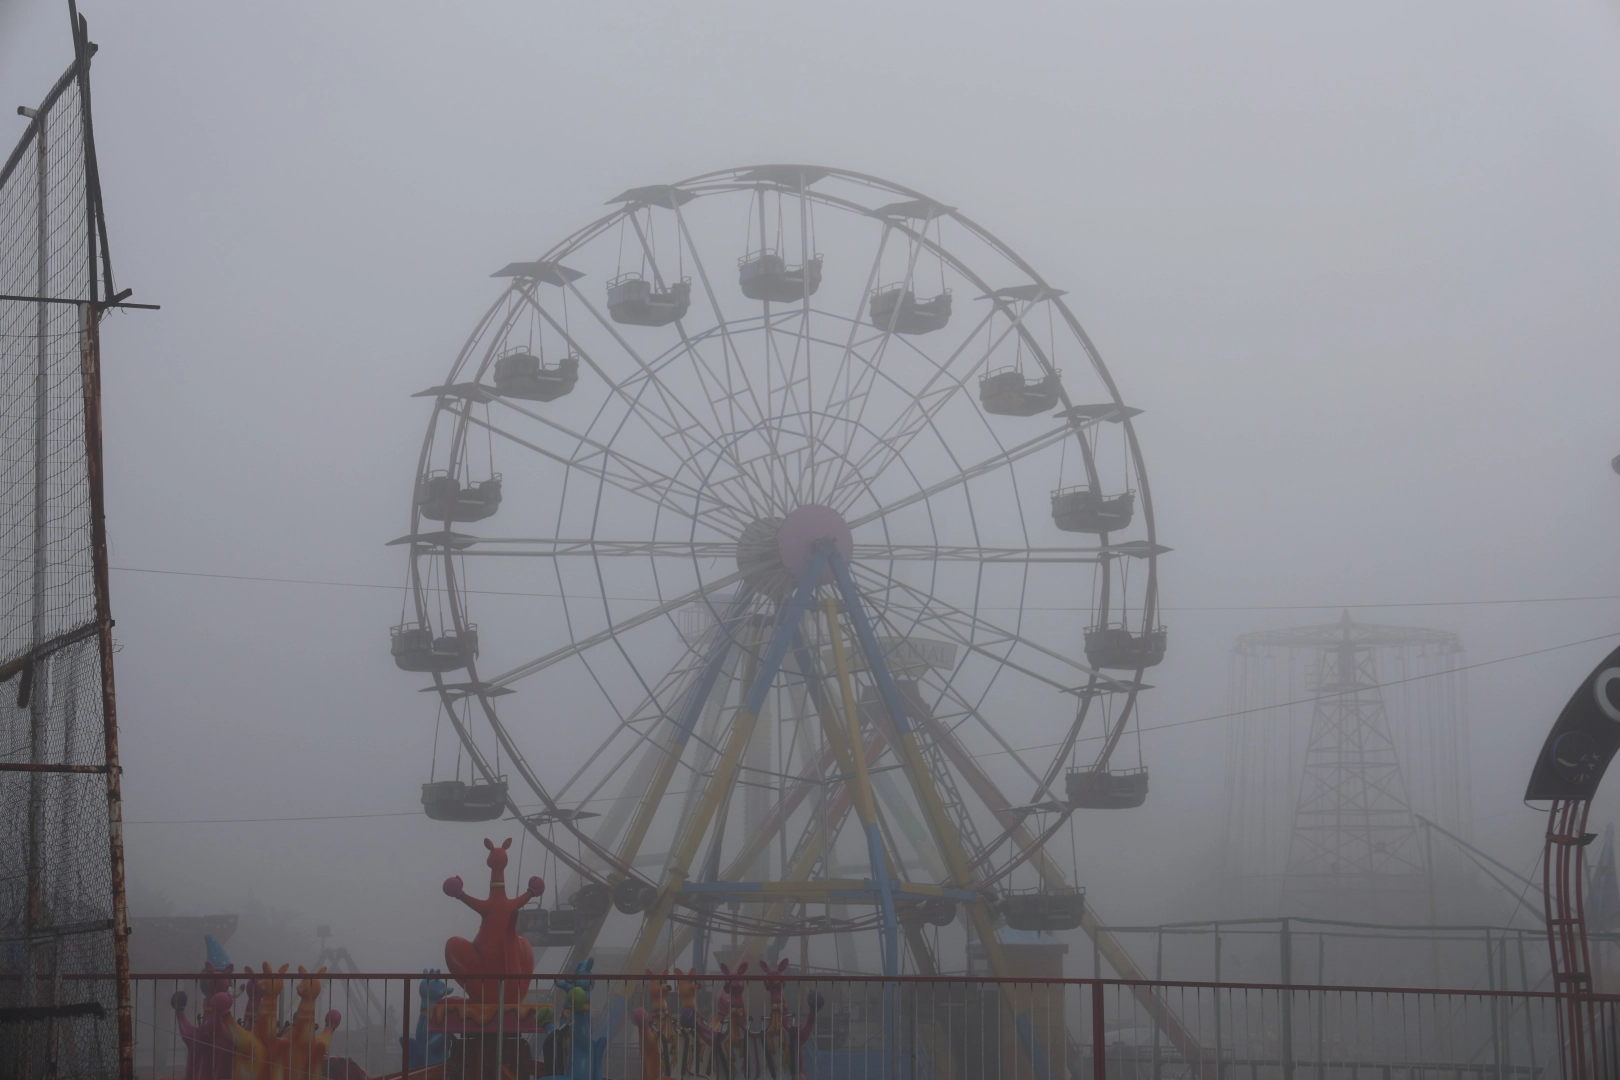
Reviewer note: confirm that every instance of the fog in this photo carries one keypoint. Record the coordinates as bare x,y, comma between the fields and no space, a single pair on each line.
1355,263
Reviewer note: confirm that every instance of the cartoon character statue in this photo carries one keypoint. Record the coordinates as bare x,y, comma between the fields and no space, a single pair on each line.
217,959
496,948
208,1041
797,1035
662,997
648,1033
426,1049
307,1046
693,1046
587,1052
737,1023
720,1038
773,1026
260,1053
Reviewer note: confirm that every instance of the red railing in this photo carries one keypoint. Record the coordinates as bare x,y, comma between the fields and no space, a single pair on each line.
872,1028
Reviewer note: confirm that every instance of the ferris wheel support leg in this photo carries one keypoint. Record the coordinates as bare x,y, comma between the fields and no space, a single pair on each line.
916,770
877,857
674,747
725,769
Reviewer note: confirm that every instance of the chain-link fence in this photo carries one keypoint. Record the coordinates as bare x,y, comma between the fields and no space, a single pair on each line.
59,868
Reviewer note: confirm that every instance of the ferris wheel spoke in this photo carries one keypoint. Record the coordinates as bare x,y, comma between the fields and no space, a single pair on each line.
674,684
813,432
919,413
639,474
733,357
701,364
852,382
845,370
640,486
607,636
947,617
592,547
972,710
972,553
667,426
972,472
692,448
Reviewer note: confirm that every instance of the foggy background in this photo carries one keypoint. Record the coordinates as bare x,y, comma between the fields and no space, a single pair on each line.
1356,263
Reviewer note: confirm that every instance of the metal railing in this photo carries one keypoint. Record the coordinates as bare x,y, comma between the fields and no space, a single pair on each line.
839,1027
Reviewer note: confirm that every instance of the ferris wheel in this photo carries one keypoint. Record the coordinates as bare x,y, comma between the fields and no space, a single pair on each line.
777,542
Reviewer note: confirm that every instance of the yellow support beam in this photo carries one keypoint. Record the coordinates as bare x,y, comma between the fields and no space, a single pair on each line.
680,859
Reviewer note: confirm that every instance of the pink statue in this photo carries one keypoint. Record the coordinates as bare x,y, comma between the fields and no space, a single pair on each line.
208,1042
496,949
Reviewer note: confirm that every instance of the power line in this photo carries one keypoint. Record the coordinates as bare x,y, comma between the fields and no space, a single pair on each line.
1064,607
1322,697
994,753
251,820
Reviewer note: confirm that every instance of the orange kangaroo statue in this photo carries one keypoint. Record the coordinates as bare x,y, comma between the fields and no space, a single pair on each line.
692,1056
306,1047
259,1052
664,1016
496,949
649,1043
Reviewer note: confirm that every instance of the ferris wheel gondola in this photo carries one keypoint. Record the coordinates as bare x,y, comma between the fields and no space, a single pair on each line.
797,562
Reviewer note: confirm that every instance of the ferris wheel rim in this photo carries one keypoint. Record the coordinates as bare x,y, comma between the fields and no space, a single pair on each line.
591,231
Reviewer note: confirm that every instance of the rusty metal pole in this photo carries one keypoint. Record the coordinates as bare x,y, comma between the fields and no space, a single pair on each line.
91,371
405,1038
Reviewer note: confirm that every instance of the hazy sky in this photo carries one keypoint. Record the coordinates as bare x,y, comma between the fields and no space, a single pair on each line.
1356,262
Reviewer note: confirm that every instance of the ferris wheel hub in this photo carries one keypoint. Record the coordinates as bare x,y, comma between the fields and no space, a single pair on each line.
773,552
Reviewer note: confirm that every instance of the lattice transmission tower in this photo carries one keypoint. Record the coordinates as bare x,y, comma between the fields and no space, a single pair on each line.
1326,782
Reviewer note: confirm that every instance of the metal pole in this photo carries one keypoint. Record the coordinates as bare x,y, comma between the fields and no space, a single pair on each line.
1321,1005
1158,976
1507,1010
1287,1000
109,696
1496,1026
36,718
1529,1020
405,1038
1099,1034
1217,993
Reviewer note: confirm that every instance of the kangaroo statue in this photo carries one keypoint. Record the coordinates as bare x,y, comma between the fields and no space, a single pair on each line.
720,1038
692,1058
496,949
737,1042
259,1051
307,1046
208,1041
648,1033
773,1026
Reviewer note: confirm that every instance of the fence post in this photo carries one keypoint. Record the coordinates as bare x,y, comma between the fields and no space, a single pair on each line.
405,1032
1286,948
1099,1034
1529,1020
1217,995
1495,1006
1158,976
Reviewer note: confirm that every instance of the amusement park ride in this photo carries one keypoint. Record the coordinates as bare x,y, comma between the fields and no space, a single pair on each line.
890,535
1577,752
